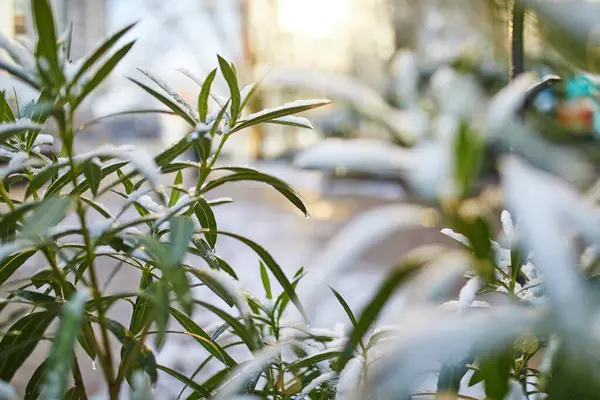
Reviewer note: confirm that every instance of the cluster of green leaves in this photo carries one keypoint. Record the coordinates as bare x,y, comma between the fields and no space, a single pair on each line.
175,225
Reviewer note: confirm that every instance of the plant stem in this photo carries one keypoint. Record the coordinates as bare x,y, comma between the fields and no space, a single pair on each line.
131,356
6,197
106,359
78,379
517,51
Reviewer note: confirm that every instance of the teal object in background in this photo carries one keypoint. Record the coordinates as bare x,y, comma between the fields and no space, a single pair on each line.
579,86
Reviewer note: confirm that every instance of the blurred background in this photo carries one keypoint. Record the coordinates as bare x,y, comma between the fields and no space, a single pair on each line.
357,38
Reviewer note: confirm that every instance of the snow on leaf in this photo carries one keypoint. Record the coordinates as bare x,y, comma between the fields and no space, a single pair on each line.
546,206
350,379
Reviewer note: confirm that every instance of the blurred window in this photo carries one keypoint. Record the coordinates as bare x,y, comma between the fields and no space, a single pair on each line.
19,17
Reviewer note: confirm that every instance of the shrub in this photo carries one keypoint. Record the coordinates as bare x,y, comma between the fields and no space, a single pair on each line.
539,299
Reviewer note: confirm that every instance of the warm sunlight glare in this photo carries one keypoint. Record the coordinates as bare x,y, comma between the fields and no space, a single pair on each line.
315,18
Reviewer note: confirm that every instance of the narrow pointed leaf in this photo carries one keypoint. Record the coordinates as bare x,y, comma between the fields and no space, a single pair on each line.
299,122
46,47
207,220
172,106
10,129
370,313
160,310
245,333
176,193
34,386
104,71
249,174
141,309
234,90
279,112
11,264
197,388
20,74
204,93
182,229
172,152
30,328
345,306
205,252
99,52
48,214
58,366
6,114
264,276
203,338
92,172
273,267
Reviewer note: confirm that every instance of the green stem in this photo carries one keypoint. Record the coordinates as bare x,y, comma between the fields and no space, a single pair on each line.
78,379
129,360
517,48
106,359
6,197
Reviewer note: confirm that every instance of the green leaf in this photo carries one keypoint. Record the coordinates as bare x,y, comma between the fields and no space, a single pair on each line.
72,394
172,152
213,284
6,114
468,157
48,214
234,90
451,374
100,208
176,193
20,74
226,267
182,229
179,166
249,174
264,276
87,338
44,176
203,338
61,356
104,71
496,371
141,309
183,379
125,181
8,222
159,299
144,361
172,106
274,268
10,129
21,345
204,93
345,306
279,112
314,359
65,179
92,172
205,252
99,52
34,386
207,221
370,313
11,264
298,122
66,41
245,333
246,97
46,47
